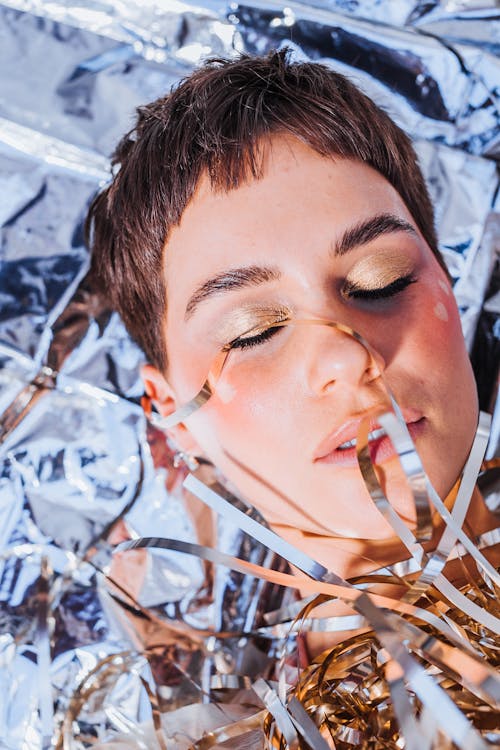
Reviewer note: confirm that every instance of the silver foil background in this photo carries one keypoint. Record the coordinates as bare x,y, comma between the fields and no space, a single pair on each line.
79,471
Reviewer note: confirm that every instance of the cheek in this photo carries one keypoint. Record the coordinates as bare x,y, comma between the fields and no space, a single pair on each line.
241,415
234,417
440,360
442,321
256,426
437,341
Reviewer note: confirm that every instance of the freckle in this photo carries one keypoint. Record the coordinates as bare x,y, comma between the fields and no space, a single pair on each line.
441,312
445,287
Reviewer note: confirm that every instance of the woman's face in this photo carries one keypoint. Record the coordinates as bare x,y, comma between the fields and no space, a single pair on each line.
324,238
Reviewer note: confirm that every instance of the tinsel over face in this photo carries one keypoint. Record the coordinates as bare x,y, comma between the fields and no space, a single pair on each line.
277,405
422,667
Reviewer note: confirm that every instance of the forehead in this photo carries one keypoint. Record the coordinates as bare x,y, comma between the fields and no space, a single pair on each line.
301,201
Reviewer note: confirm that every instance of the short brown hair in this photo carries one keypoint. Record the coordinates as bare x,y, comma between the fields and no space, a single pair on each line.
212,122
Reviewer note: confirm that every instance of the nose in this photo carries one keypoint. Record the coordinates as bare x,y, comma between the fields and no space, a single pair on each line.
340,358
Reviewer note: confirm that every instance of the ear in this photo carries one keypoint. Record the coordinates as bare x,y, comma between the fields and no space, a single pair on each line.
163,397
158,390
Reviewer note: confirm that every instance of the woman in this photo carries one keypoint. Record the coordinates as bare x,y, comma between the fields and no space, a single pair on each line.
269,242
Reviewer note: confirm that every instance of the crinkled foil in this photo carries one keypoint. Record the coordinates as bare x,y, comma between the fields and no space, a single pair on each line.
102,649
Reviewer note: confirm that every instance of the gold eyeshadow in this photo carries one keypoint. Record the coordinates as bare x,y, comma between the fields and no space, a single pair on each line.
378,271
244,319
375,271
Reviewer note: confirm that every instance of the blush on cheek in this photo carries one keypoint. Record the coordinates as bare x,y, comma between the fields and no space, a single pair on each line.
439,327
443,337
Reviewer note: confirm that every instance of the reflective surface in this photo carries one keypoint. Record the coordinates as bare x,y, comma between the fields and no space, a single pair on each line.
79,471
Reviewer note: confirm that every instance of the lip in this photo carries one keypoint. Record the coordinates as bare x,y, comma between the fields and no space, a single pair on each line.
381,449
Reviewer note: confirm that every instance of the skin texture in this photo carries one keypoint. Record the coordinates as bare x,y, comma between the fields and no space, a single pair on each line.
290,220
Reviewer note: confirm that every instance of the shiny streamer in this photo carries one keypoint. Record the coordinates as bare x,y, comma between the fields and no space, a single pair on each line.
452,721
430,565
153,699
230,732
394,424
353,694
343,590
422,493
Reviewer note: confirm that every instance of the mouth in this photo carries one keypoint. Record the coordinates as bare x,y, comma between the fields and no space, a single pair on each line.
339,448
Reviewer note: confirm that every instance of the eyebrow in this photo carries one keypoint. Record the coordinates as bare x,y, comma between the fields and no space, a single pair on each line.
236,278
248,276
369,230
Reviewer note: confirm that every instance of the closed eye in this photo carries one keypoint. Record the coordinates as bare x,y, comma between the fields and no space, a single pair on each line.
390,290
247,341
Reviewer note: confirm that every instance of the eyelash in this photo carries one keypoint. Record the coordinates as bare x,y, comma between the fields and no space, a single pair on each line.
259,338
395,287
